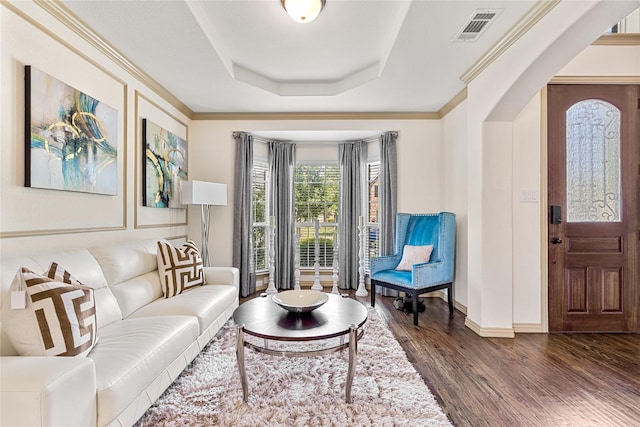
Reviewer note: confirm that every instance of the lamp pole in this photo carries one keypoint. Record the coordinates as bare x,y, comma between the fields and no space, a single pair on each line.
206,216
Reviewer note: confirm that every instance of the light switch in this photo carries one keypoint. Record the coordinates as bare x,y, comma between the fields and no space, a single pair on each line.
529,196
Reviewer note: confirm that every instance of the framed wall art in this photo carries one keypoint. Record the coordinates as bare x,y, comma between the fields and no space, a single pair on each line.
71,138
164,166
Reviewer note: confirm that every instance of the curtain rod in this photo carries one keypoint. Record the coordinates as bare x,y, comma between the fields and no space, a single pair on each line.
267,140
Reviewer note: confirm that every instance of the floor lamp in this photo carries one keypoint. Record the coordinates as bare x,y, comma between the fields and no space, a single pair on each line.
205,194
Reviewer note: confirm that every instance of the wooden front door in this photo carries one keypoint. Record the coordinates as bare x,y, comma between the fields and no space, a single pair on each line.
594,207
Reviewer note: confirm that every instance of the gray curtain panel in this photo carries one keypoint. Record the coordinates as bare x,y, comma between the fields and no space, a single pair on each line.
282,163
353,165
387,201
242,212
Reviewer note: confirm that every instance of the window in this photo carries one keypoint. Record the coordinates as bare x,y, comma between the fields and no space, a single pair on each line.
260,209
317,194
593,162
373,237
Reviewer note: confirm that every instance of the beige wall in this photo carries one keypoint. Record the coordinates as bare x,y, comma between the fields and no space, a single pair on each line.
37,220
419,152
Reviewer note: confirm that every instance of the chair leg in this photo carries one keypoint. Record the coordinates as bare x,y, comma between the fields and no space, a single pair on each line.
450,299
415,308
373,294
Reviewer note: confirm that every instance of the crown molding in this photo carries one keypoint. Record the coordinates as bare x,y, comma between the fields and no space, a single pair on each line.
596,80
60,12
318,116
538,11
64,15
453,103
620,39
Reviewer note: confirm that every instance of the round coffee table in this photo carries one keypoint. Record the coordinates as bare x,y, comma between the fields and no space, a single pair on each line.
262,317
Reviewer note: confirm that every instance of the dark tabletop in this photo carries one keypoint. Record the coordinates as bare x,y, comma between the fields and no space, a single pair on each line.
264,318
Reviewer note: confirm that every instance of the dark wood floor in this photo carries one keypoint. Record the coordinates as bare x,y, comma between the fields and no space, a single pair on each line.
532,380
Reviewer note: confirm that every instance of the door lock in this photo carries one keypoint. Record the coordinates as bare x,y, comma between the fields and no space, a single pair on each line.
556,240
555,214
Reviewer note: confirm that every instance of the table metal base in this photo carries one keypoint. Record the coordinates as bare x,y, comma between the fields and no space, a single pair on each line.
354,336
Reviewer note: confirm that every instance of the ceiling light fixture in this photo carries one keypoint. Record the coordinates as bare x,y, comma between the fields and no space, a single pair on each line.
303,11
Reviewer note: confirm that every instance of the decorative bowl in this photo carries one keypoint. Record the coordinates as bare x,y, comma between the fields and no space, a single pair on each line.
300,301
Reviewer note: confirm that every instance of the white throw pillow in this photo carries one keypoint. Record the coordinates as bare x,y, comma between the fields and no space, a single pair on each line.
58,318
180,269
414,255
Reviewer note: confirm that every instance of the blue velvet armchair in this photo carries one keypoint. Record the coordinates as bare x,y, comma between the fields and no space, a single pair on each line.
438,230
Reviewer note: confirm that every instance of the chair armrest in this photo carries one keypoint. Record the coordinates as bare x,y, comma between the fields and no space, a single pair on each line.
431,274
382,263
47,391
222,276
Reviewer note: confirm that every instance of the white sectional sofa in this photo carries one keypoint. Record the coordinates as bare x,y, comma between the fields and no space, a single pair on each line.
144,340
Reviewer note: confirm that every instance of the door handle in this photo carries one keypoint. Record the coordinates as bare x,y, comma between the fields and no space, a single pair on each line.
556,240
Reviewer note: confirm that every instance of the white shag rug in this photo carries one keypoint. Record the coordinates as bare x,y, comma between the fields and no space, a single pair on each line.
309,391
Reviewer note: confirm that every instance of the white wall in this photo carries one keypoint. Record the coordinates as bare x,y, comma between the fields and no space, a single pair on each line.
527,216
454,140
38,220
599,60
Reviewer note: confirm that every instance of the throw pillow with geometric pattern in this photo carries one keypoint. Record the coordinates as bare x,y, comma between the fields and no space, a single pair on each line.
59,318
180,269
57,272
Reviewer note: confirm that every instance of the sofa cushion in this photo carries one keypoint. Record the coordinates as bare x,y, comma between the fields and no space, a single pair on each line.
132,353
394,276
58,318
206,303
180,269
137,292
125,261
86,269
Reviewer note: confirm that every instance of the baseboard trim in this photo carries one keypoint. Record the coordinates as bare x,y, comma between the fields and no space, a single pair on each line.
460,307
443,296
528,328
489,332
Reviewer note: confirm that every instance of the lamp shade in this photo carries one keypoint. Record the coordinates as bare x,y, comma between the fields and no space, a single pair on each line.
204,193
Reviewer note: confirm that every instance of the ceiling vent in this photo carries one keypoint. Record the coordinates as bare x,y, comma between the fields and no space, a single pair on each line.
476,24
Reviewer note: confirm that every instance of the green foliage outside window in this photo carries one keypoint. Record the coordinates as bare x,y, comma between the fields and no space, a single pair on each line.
317,193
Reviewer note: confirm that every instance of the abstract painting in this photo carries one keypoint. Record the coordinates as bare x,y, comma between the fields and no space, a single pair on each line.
164,167
71,139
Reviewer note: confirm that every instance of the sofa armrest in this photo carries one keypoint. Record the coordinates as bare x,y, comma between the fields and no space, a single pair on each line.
47,391
222,276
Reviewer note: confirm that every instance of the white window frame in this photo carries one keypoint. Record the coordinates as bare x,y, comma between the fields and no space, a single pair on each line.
373,224
260,166
307,229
